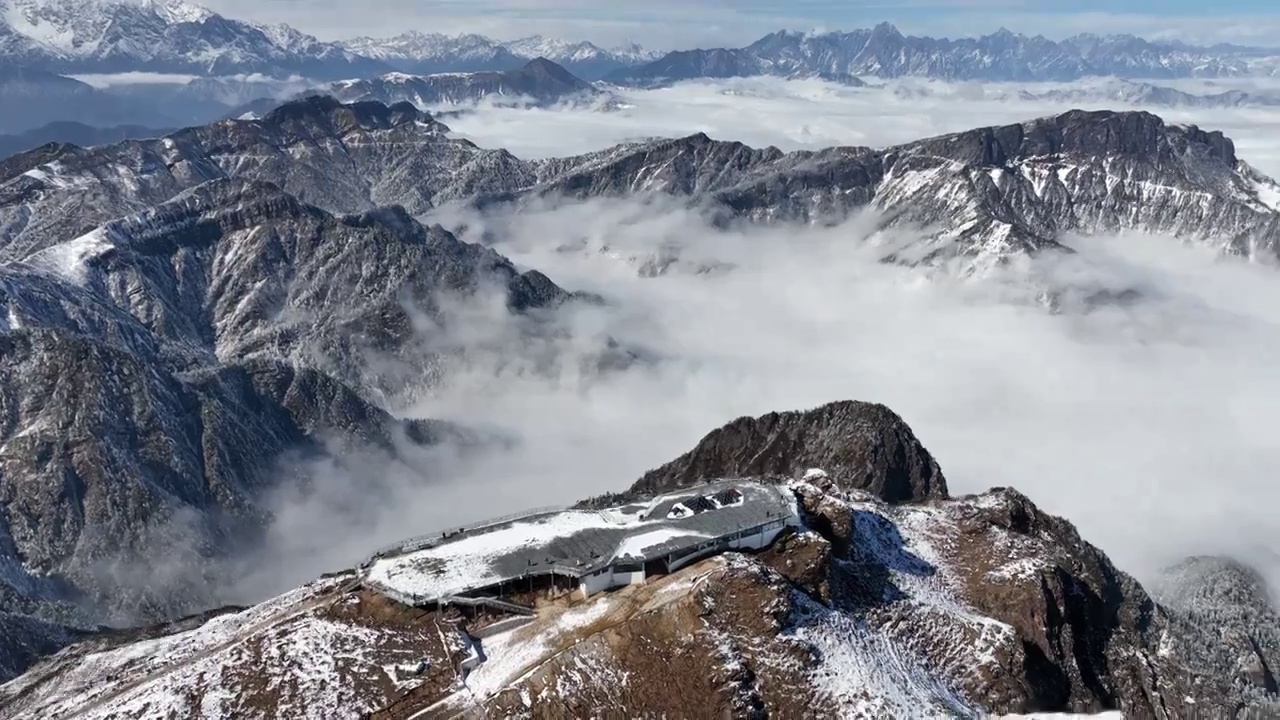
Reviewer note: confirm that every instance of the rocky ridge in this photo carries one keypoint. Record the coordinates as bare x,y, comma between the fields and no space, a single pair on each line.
979,195
962,606
539,82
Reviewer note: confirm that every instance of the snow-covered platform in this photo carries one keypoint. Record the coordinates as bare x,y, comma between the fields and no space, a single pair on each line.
597,549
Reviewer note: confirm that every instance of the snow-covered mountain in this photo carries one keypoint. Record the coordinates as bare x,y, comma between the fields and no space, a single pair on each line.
344,158
978,195
1102,92
164,36
427,53
539,83
1129,92
874,607
883,51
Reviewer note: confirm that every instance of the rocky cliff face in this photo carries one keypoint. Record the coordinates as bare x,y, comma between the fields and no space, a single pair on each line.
956,606
863,446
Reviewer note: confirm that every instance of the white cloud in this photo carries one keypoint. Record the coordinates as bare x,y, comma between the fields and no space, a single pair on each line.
1147,424
796,115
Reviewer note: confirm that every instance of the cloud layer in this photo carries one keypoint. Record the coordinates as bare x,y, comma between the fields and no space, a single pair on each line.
813,114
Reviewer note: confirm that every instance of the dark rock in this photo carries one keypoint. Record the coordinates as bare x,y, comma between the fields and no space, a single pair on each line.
540,82
860,445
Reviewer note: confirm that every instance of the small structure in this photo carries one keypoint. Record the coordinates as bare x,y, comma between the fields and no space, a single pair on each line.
587,551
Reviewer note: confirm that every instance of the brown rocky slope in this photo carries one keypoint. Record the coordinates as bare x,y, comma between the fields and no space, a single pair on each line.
894,600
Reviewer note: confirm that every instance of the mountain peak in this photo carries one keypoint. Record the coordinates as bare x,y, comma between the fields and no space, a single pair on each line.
1086,133
165,36
861,446
886,29
367,114
545,69
178,11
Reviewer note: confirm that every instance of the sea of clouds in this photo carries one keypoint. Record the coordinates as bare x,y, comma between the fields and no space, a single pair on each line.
1147,422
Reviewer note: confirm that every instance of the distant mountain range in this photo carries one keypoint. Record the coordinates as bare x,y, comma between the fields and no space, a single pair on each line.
538,82
425,53
74,133
163,36
172,36
883,51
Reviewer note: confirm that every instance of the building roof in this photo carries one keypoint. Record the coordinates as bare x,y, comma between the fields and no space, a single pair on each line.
579,542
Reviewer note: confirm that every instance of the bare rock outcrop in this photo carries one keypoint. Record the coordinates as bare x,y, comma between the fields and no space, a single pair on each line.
861,446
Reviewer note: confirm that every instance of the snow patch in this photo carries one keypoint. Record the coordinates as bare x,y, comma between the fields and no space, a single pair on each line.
635,545
1268,194
868,674
467,563
70,260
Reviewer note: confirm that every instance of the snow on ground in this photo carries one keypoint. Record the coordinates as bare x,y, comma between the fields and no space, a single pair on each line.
286,649
484,556
460,565
166,666
584,616
69,260
870,670
303,658
1268,194
511,655
867,673
635,545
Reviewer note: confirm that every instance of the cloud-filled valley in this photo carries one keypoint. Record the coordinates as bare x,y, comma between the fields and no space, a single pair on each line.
814,114
1145,420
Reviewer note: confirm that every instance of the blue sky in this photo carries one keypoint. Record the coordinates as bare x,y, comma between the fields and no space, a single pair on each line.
668,24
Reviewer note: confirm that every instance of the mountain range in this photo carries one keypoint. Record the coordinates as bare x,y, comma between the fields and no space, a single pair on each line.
74,133
173,36
538,82
426,53
163,36
883,51
976,195
894,598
